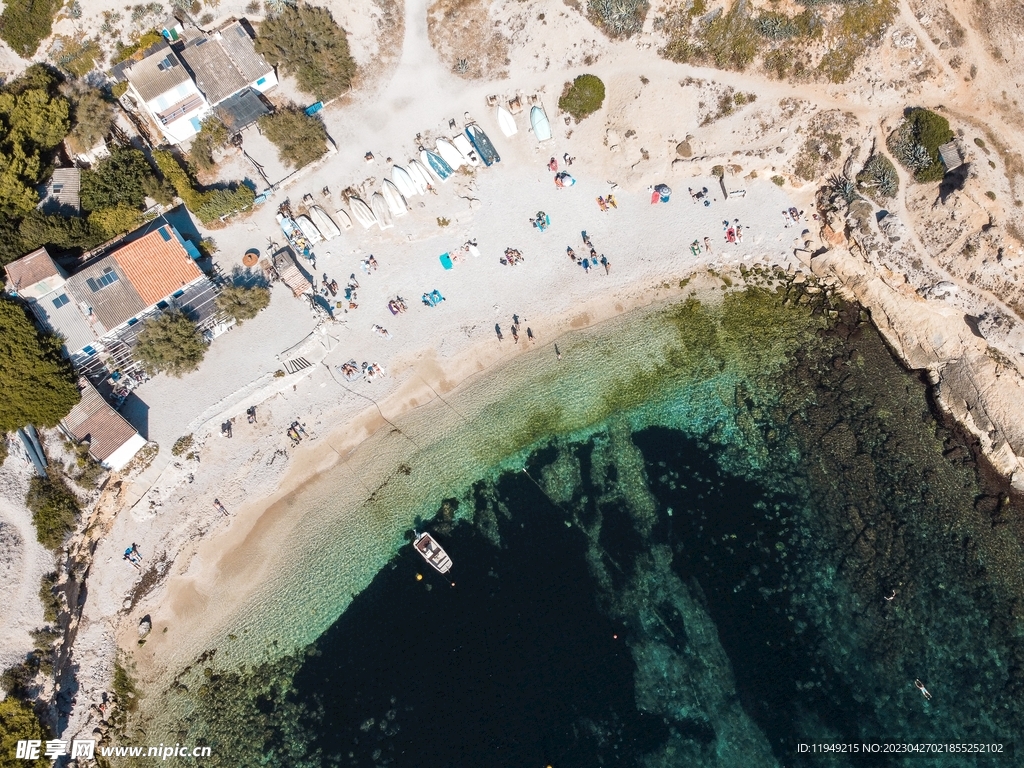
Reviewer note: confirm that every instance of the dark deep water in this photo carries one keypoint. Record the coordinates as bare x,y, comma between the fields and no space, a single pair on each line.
703,583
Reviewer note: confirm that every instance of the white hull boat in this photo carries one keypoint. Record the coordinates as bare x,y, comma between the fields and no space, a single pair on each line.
404,182
506,122
324,222
450,154
539,121
432,552
362,212
344,220
466,150
420,176
309,230
394,199
380,210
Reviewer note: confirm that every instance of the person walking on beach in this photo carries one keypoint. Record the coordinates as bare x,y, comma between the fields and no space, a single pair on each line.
558,355
497,331
606,264
515,321
707,244
135,551
586,240
515,333
529,334
571,252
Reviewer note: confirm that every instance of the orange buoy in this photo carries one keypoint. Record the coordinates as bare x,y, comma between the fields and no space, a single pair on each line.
419,577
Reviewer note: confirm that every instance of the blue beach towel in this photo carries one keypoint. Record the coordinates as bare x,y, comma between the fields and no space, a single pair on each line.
446,260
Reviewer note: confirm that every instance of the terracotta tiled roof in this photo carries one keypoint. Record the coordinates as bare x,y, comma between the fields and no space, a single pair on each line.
156,265
30,269
94,420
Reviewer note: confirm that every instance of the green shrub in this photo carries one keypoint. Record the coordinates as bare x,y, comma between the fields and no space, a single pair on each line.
618,18
211,137
117,180
207,206
111,222
915,143
48,597
24,24
243,302
990,195
55,231
878,177
18,722
54,508
582,97
170,343
92,114
38,383
144,41
778,180
300,138
304,41
182,444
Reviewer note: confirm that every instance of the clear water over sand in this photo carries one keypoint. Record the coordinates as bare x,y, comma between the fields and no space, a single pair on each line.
692,571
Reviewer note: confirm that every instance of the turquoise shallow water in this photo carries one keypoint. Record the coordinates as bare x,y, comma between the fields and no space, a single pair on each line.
718,502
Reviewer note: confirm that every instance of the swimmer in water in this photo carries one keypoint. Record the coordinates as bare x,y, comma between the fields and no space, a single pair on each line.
923,690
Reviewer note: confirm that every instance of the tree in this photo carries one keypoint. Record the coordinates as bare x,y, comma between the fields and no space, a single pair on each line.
243,302
54,507
18,722
300,138
210,205
92,115
62,232
110,222
118,179
38,384
304,41
171,344
26,23
211,137
582,97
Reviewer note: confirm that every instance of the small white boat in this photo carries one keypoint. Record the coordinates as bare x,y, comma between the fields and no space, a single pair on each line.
309,230
343,218
539,121
432,552
420,176
324,222
466,150
437,165
362,212
393,198
450,154
404,182
381,212
506,122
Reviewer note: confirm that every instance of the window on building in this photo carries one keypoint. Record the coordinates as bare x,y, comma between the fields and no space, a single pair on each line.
179,294
133,321
61,300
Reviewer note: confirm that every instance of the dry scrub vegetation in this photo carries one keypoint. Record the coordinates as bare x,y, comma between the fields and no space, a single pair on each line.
467,39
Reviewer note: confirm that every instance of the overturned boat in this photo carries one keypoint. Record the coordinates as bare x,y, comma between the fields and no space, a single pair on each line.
381,212
404,182
362,212
309,229
420,176
507,122
394,199
437,164
324,222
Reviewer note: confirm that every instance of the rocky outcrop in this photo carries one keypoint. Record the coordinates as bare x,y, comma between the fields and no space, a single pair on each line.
974,381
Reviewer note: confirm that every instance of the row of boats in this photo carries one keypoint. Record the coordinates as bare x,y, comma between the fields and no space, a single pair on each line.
538,122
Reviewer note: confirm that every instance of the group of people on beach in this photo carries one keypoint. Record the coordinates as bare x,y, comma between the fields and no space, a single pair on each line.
591,261
512,257
368,265
397,305
132,556
700,195
733,232
515,330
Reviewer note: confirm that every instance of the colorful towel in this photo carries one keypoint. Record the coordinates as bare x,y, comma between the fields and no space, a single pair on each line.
446,260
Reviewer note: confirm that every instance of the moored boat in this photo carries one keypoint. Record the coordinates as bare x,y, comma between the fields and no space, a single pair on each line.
344,220
396,203
381,212
437,165
506,122
420,176
432,552
451,155
539,121
313,235
483,144
362,212
324,222
466,149
404,181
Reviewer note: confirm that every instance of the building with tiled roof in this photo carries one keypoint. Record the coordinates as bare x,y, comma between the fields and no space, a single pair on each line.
109,295
225,62
113,442
61,194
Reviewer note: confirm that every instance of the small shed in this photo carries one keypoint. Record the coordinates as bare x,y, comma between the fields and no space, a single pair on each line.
113,442
950,154
61,194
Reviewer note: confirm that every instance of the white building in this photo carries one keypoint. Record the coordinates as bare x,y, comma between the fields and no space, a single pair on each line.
225,62
161,85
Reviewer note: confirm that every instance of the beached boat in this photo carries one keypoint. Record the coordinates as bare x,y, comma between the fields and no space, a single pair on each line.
432,552
394,199
295,236
466,149
362,212
381,212
343,219
404,181
313,235
450,154
506,122
539,121
437,165
420,176
483,144
324,222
